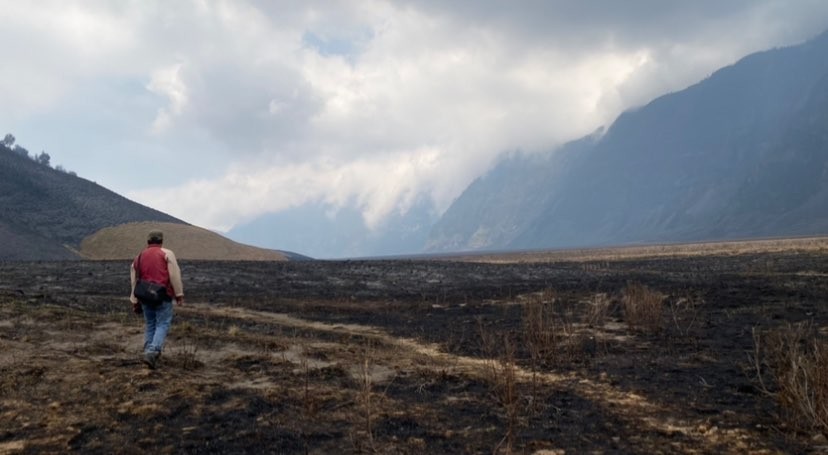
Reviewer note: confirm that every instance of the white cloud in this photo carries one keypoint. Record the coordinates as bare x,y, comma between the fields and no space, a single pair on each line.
365,103
167,82
377,186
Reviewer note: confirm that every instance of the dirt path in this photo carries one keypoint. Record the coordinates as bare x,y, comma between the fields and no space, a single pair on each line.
405,354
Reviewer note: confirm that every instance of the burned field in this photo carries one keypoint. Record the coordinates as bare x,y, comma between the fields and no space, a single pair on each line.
566,356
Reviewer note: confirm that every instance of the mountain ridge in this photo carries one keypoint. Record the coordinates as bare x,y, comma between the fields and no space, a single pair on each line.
738,154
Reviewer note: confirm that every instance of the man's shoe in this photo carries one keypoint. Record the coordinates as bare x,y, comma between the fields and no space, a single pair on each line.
150,358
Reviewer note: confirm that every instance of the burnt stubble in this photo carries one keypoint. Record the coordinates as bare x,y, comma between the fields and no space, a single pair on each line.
405,356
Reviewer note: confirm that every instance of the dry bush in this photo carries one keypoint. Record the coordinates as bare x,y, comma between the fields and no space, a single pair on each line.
187,355
555,332
684,312
548,332
643,307
501,372
506,392
598,310
367,409
539,328
791,365
365,401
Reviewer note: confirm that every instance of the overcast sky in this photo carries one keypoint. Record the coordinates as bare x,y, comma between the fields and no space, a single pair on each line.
219,111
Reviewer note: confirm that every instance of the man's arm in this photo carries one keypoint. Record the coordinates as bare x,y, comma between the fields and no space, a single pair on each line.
132,280
175,276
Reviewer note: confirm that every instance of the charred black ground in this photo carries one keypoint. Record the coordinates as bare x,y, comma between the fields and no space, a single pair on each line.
401,357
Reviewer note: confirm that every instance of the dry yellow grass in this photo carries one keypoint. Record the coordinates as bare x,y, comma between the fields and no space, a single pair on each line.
188,242
678,250
791,364
643,307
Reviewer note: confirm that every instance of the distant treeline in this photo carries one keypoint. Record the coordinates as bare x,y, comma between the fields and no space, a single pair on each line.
41,158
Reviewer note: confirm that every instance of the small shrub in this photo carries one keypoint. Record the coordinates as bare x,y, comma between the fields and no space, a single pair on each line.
791,365
367,410
187,355
643,307
548,334
501,373
684,313
506,393
539,328
598,310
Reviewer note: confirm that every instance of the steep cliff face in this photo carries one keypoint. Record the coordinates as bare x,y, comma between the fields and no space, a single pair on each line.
497,208
743,153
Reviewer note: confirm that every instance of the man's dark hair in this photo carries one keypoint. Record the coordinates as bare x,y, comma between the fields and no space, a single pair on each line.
155,238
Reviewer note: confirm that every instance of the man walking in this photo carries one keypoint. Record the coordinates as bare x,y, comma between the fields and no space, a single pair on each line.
156,264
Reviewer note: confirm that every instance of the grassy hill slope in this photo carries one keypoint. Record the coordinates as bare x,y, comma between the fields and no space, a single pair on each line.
188,242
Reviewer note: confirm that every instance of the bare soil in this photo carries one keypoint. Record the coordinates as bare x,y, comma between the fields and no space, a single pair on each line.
403,356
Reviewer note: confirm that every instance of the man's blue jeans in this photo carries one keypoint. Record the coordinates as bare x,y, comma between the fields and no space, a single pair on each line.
157,323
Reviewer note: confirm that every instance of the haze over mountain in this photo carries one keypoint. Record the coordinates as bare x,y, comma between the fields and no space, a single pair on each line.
743,153
48,214
315,231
